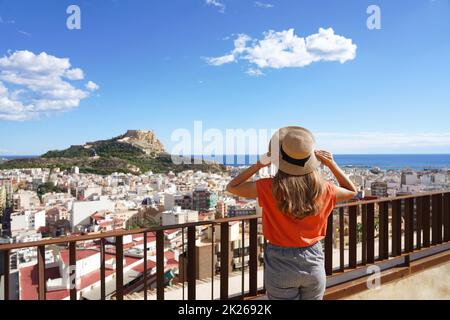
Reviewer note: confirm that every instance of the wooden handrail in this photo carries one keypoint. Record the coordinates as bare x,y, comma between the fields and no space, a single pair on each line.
387,199
117,233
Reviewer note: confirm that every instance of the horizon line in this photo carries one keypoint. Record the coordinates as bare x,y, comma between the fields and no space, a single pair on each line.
252,155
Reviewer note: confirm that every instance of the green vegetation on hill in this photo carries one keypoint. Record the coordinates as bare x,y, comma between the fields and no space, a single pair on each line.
72,152
108,165
106,157
103,149
118,149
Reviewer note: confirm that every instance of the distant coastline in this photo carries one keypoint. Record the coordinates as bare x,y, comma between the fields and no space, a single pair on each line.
8,157
382,161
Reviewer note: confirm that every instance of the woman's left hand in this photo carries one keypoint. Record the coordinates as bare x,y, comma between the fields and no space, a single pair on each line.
264,161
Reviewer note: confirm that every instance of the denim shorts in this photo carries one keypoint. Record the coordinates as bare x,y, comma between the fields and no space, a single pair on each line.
294,273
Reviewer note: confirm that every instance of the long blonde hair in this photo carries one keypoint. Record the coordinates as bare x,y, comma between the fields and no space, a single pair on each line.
298,196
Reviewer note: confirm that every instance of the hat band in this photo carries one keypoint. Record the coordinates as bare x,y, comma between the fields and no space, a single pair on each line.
289,159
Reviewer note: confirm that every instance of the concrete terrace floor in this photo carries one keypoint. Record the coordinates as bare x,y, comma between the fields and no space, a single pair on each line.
235,282
204,288
431,284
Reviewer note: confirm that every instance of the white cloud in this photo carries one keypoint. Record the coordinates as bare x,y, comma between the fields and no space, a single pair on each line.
263,5
221,60
386,142
3,21
92,86
11,109
75,74
27,34
216,3
27,62
327,46
285,49
32,85
240,44
254,72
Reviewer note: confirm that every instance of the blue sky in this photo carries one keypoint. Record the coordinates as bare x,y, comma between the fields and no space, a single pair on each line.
149,60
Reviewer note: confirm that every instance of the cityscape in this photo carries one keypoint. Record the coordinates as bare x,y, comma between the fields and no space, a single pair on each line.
130,132
43,203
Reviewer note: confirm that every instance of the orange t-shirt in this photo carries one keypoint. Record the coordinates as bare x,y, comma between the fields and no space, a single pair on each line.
283,230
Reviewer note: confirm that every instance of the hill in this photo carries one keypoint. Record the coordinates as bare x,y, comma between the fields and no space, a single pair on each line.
135,152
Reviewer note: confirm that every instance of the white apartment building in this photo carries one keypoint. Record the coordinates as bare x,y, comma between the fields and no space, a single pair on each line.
82,210
28,220
50,199
142,190
234,232
25,200
440,178
178,216
89,192
411,188
2,197
169,201
426,180
87,262
410,179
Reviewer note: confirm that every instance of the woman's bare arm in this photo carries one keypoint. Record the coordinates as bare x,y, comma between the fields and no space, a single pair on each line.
240,185
347,189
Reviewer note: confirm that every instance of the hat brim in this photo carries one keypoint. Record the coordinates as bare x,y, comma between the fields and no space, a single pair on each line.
296,170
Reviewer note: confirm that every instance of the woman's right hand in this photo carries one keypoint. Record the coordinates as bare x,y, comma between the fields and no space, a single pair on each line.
325,157
264,160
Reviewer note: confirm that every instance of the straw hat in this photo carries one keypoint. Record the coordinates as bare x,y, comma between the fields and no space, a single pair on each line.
292,151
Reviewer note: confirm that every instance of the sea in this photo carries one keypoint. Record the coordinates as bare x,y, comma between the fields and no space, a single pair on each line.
16,157
382,161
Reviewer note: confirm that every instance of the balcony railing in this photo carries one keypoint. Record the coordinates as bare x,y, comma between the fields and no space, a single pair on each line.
405,228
